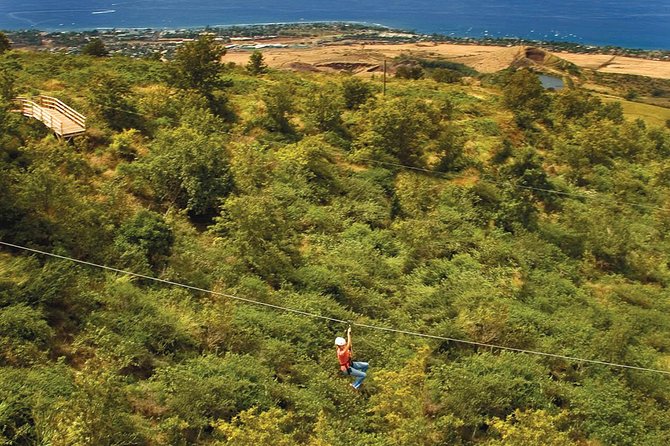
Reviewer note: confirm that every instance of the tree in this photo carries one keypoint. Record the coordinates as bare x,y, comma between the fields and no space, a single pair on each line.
95,48
445,75
355,92
484,386
399,406
7,80
124,144
110,95
206,390
259,233
97,412
324,111
278,101
605,411
256,63
5,44
409,71
49,206
571,103
400,128
526,170
631,95
450,148
186,168
524,94
145,235
197,66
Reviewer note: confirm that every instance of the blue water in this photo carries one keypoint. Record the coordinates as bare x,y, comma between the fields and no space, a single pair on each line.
551,82
633,24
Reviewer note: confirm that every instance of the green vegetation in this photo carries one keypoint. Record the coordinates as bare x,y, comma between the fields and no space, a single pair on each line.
651,114
197,66
256,64
408,67
5,44
532,219
96,48
355,92
409,71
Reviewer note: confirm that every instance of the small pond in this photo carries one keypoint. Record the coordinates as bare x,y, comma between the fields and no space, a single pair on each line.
551,82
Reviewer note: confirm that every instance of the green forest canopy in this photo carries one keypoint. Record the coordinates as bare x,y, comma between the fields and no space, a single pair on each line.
538,220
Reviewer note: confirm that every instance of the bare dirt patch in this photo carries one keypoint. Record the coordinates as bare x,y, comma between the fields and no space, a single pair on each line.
619,64
355,56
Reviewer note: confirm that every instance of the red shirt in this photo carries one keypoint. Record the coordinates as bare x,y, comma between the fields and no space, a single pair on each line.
344,356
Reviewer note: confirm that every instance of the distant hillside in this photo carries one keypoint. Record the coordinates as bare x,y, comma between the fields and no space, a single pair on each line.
519,57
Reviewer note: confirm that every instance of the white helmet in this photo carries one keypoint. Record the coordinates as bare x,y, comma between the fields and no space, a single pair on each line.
340,342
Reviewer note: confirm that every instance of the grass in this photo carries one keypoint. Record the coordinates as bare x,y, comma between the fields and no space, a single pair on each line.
660,102
651,114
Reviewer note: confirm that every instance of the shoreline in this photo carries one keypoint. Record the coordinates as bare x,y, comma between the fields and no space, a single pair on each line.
366,25
409,35
351,46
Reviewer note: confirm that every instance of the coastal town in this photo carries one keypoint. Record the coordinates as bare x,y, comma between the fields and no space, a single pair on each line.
161,43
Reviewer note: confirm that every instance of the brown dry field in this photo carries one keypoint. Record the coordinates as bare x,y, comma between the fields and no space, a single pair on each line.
365,58
620,64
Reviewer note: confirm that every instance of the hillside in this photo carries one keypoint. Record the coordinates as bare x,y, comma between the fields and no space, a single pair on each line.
481,210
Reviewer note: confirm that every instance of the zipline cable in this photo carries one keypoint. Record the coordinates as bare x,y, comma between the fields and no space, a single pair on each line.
357,324
169,282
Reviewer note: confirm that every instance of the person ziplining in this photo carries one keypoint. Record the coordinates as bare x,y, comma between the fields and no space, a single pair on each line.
347,364
340,342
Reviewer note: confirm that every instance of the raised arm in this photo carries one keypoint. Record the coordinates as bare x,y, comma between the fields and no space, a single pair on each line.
349,338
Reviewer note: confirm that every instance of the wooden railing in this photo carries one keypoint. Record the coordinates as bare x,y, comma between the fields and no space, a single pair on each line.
69,112
39,109
32,109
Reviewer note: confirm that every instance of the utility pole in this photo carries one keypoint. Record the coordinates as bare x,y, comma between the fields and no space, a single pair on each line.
384,90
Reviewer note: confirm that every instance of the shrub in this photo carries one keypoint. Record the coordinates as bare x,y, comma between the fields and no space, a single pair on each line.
146,238
204,390
409,71
256,64
24,335
355,92
123,144
95,48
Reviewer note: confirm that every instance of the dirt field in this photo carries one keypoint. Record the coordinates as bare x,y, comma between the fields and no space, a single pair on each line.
368,58
620,64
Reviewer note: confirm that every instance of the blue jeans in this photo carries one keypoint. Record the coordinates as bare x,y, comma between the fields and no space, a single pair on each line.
358,370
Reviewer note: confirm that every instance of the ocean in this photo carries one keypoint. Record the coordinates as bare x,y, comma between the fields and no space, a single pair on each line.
631,24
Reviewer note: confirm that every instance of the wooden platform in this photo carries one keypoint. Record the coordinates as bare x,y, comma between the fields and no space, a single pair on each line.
62,119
